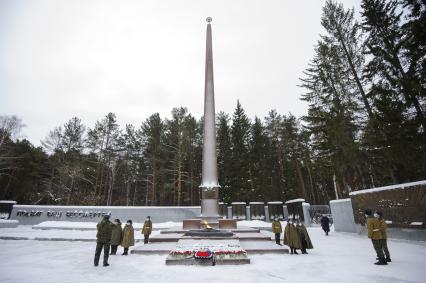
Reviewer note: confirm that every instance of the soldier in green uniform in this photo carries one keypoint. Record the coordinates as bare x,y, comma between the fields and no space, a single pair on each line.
128,239
384,239
147,229
103,238
291,237
375,234
116,236
277,230
305,240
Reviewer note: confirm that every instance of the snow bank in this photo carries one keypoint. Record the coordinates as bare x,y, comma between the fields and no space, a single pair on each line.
386,188
295,200
92,225
254,224
8,201
6,223
340,200
9,221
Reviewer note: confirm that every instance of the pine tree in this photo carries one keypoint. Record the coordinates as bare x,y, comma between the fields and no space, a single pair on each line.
152,136
240,136
102,141
259,163
224,156
344,34
276,158
397,144
394,63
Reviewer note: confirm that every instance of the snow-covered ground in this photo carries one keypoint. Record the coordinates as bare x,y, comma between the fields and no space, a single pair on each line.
339,257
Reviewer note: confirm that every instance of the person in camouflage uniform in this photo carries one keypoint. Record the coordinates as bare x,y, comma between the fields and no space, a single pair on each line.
147,229
103,239
375,234
305,240
128,239
291,237
277,230
384,239
116,236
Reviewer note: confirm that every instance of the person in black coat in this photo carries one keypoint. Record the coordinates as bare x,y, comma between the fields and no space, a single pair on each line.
325,224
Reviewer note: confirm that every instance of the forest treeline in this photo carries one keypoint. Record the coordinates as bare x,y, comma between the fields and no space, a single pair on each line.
365,127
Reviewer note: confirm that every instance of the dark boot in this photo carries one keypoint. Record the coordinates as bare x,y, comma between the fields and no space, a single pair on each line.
388,259
126,250
295,252
291,249
381,261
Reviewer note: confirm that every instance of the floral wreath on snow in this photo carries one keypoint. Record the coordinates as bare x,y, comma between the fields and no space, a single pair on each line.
203,254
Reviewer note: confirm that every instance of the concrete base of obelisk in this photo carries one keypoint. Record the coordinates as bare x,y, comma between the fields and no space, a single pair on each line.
209,213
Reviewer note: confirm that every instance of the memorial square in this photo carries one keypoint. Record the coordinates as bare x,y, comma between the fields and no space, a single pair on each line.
330,186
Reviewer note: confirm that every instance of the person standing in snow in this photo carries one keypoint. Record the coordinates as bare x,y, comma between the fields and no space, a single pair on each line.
305,240
375,234
116,236
291,237
128,239
325,224
147,229
277,230
103,238
384,239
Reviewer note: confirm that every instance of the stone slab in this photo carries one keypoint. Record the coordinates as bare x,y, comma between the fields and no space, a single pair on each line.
252,237
165,238
188,224
193,261
263,247
154,248
238,230
174,237
213,245
227,224
35,214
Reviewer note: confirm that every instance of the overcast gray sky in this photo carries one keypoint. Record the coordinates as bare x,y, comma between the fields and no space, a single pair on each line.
60,59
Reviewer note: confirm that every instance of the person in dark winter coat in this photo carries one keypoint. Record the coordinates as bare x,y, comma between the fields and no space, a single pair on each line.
103,239
325,224
305,240
291,237
147,229
384,239
116,236
375,234
277,230
128,238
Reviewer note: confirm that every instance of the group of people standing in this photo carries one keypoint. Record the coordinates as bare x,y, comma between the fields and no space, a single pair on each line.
296,235
112,234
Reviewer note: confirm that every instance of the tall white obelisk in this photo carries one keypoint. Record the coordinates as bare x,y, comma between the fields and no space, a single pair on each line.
209,185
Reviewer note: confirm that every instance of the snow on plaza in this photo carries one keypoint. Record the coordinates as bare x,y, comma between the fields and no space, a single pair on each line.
340,257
